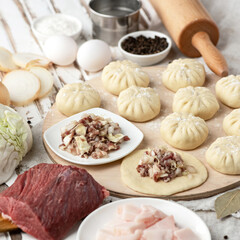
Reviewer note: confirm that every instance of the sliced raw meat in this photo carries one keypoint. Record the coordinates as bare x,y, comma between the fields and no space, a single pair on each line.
128,212
143,223
48,199
166,223
108,235
185,234
149,215
127,228
157,234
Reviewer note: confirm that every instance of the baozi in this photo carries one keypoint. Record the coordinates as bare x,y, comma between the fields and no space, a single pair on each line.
184,131
182,73
228,90
199,101
224,155
119,75
231,123
139,104
77,97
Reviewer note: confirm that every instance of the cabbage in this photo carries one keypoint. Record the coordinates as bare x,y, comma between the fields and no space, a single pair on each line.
15,141
115,138
9,160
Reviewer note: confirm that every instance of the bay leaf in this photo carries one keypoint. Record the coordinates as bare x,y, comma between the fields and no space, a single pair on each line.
227,204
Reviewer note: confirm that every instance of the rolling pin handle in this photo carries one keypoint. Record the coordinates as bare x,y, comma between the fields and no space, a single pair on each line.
211,55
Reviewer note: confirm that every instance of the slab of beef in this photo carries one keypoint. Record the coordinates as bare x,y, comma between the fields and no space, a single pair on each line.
48,199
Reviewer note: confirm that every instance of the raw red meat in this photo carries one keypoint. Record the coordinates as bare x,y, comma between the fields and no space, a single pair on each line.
48,199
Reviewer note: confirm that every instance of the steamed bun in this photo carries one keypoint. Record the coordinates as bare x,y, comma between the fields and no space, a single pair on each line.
224,155
231,123
182,73
139,104
118,76
184,131
228,90
77,97
199,101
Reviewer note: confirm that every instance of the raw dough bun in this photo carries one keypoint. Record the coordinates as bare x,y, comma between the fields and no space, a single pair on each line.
184,131
224,155
118,76
146,185
231,123
198,101
139,104
77,97
228,90
182,73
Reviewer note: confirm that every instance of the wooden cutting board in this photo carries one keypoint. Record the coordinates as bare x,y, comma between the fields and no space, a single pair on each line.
109,174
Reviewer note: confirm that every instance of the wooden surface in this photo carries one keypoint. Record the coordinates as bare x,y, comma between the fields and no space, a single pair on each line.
109,174
16,17
6,225
183,19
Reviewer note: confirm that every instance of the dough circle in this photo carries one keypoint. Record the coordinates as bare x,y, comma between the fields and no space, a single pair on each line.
224,155
184,131
228,90
119,75
139,104
198,101
231,123
133,180
77,97
182,73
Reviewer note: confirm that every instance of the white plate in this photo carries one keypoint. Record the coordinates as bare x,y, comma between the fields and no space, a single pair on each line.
52,137
183,217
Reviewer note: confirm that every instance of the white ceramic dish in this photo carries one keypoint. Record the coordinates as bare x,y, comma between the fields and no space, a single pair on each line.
183,217
43,37
150,59
52,137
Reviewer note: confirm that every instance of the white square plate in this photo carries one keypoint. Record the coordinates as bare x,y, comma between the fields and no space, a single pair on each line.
52,137
183,217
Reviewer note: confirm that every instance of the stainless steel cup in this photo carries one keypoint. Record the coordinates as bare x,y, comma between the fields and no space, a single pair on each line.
112,19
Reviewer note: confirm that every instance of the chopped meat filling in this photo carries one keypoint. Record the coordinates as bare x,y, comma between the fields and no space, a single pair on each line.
92,136
161,164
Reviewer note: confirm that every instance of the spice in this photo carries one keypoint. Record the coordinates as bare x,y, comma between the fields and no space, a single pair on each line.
142,45
162,164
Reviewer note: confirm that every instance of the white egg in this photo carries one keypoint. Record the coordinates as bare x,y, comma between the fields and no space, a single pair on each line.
60,49
93,55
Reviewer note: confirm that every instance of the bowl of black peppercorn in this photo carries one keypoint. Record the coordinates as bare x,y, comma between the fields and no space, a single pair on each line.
145,47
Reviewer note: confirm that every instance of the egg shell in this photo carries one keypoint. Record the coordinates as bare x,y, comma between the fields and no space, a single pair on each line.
93,55
60,49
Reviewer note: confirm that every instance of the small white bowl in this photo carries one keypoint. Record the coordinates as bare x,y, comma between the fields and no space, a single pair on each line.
148,59
43,37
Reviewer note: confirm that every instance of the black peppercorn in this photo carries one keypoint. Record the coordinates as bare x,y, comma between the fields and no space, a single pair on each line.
142,45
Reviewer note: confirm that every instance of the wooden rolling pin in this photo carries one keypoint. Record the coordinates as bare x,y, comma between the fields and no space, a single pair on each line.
193,30
6,225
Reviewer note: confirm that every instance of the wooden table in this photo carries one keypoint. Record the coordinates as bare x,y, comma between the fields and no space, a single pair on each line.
16,35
